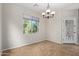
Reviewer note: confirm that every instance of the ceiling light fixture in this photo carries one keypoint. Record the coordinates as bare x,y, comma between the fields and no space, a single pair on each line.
48,14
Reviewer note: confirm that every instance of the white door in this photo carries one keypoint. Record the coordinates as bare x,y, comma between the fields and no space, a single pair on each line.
70,31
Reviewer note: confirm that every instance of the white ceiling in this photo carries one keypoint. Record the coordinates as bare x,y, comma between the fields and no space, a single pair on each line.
53,6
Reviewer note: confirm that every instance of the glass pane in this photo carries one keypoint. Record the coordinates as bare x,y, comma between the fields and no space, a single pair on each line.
69,29
30,26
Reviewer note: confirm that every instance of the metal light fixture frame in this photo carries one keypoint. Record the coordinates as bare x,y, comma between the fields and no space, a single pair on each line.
48,14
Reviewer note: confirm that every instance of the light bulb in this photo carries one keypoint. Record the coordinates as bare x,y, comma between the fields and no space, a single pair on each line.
48,11
53,12
43,13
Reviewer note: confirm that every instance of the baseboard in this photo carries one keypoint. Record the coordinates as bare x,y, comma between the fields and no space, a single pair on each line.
55,42
21,45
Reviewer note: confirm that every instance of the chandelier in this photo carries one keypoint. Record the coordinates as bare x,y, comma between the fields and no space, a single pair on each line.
48,14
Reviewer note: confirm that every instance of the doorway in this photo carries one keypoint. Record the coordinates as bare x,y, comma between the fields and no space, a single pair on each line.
69,31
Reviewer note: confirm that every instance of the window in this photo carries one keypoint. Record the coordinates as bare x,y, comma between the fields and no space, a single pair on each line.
30,25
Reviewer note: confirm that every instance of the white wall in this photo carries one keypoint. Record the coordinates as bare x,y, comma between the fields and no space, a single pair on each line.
69,14
0,26
78,26
55,28
12,26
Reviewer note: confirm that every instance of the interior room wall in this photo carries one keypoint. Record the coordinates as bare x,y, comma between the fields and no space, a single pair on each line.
70,14
55,26
78,26
12,26
0,25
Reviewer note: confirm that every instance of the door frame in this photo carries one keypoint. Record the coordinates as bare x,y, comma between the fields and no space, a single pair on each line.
63,29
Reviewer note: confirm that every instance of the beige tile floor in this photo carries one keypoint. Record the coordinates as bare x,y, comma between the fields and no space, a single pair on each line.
44,48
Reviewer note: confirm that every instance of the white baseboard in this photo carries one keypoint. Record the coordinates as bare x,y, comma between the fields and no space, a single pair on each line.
20,45
55,41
